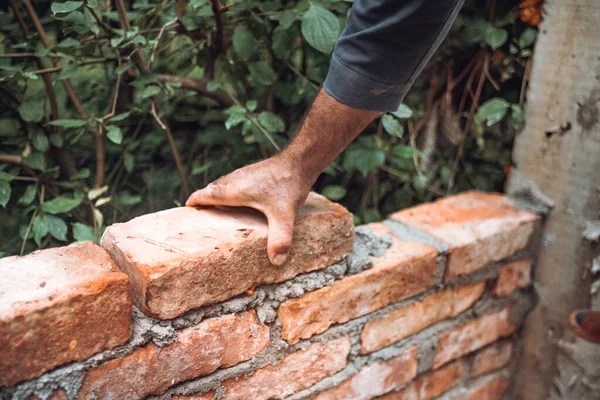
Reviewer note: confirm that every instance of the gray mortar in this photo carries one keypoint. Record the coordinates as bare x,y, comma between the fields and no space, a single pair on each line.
410,234
460,392
527,195
592,231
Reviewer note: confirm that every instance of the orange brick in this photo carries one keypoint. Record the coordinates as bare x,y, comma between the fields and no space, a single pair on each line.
199,350
408,320
431,385
473,335
492,357
513,275
406,269
478,227
60,305
295,372
185,257
490,390
376,379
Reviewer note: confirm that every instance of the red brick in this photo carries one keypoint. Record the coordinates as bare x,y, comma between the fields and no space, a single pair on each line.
376,379
60,305
431,385
199,350
478,227
492,357
185,257
295,372
513,275
408,320
473,335
490,390
406,269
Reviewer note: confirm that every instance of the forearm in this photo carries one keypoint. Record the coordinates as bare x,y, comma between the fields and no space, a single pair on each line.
327,130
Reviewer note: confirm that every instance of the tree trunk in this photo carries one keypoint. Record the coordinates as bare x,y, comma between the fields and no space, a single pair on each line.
557,160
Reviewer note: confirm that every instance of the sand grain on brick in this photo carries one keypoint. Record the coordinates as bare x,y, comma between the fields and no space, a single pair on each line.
492,357
407,268
60,305
513,275
479,228
199,350
186,257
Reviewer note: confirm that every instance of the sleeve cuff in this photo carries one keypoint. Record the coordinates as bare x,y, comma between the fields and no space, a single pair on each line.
357,91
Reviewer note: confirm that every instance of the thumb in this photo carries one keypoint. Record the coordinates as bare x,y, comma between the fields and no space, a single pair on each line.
281,229
212,195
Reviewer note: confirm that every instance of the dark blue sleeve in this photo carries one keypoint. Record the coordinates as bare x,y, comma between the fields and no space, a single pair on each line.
385,45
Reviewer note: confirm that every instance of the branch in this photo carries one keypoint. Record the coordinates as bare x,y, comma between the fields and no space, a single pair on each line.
215,46
198,85
158,37
7,158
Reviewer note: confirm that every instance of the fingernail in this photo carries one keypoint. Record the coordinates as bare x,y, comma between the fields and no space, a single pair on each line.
580,317
279,259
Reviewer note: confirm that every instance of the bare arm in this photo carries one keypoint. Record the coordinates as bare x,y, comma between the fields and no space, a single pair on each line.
278,186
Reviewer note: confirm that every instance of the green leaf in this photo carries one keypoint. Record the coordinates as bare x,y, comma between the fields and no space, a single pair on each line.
320,27
128,162
251,105
150,91
405,152
114,134
493,110
60,204
403,112
392,125
122,68
474,31
527,38
119,117
84,173
39,228
371,215
6,177
56,140
130,199
334,192
57,228
495,37
517,117
69,123
262,73
69,42
5,191
66,72
287,18
28,196
95,193
234,120
66,7
213,85
82,232
39,140
32,110
35,160
271,122
362,159
243,42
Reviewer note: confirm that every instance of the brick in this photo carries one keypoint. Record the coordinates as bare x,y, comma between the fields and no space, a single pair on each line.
513,275
490,390
376,379
60,305
492,357
479,228
407,268
430,385
186,257
199,350
295,372
473,335
408,320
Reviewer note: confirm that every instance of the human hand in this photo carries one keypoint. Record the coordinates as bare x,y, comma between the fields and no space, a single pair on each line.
275,186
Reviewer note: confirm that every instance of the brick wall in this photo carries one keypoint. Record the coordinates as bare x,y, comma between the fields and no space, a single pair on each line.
184,304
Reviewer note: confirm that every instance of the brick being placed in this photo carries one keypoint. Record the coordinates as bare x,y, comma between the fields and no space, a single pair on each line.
185,257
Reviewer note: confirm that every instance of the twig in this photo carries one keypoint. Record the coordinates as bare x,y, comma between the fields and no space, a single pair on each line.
10,159
198,85
216,45
158,37
486,69
28,231
17,55
176,156
61,67
180,10
525,81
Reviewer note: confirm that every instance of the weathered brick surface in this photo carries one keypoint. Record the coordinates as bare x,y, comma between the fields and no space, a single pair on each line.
185,257
376,379
489,390
473,335
430,385
295,372
406,269
513,275
408,320
59,305
492,357
216,343
478,227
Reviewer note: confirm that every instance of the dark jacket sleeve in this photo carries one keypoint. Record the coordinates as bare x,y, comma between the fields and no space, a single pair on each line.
385,45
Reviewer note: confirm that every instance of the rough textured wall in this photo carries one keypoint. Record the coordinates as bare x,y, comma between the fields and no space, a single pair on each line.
426,305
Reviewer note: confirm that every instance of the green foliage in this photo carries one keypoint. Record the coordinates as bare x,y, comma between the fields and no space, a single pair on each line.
220,91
